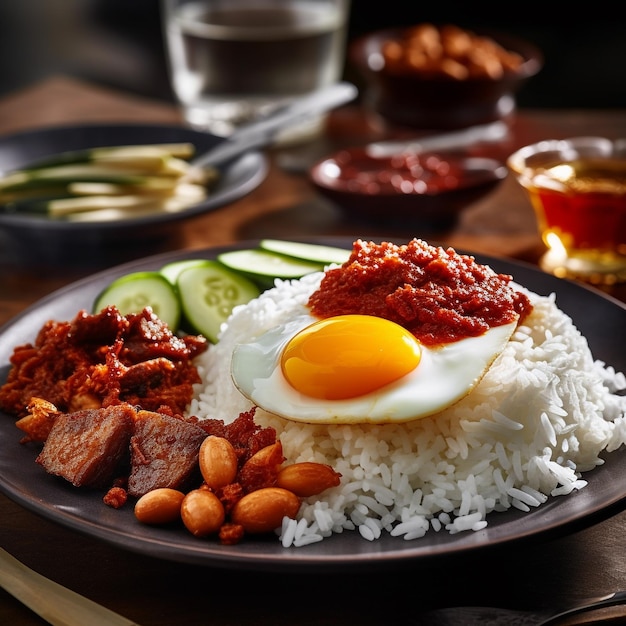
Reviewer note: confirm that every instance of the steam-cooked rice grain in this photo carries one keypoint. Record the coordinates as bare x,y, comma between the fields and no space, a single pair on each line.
541,417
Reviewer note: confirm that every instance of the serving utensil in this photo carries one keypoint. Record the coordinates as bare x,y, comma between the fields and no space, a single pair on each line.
56,604
264,131
453,140
489,616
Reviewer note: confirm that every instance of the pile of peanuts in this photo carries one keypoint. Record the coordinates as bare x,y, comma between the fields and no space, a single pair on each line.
220,507
448,51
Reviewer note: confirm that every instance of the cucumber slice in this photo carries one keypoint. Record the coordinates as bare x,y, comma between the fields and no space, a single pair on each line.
209,292
184,150
172,270
306,251
133,292
264,266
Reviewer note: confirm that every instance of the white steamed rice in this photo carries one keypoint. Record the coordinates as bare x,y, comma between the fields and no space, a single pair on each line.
538,420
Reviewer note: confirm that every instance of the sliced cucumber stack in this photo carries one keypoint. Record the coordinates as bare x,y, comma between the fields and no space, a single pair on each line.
172,270
108,182
306,251
133,292
209,292
198,295
263,266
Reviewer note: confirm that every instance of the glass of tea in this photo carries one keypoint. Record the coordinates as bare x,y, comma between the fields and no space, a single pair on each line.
577,188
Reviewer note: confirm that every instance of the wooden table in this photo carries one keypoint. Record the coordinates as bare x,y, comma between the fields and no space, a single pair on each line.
587,562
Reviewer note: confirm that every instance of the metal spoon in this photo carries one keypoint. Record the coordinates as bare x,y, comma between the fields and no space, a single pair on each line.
454,140
264,131
487,616
56,604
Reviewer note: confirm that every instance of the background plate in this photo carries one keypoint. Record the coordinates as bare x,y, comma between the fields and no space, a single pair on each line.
600,318
238,178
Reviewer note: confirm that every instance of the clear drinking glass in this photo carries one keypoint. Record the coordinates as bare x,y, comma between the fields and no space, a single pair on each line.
577,188
233,60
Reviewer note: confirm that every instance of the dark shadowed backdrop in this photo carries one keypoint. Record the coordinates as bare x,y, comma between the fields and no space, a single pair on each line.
118,43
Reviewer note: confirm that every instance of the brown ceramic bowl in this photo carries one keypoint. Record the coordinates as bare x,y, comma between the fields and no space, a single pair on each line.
427,190
428,99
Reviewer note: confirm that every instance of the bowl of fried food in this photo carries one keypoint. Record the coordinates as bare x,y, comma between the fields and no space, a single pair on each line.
441,77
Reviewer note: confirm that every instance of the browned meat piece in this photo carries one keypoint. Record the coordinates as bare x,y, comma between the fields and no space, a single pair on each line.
87,447
164,452
158,382
89,332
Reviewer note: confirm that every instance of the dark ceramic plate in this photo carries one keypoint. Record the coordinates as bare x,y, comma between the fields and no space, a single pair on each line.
238,178
600,319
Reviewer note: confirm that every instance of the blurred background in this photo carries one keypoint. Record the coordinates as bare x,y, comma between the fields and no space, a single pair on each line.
118,44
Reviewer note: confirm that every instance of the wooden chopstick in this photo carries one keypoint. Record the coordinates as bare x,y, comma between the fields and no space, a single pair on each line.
56,604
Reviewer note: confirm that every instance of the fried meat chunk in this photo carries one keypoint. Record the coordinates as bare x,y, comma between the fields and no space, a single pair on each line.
88,447
164,452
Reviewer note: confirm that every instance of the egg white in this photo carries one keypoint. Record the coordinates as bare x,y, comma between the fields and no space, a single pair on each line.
444,375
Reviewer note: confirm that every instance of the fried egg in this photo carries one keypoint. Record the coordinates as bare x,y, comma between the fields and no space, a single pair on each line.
353,369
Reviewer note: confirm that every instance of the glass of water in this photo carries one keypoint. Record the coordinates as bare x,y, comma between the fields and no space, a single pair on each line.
231,61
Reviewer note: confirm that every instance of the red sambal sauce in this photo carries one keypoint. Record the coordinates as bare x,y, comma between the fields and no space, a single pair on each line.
437,294
426,174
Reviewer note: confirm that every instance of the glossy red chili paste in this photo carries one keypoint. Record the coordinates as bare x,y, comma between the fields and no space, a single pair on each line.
435,293
424,174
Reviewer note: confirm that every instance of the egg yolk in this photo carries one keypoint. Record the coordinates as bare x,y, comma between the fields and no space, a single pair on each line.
348,356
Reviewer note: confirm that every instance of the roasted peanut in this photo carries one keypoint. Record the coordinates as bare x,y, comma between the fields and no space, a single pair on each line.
218,462
261,469
262,511
270,455
159,506
202,512
307,479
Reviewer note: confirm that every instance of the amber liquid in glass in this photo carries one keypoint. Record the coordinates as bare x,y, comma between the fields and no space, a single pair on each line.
581,210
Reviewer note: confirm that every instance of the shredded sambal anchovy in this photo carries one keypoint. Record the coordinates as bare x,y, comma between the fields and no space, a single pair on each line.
97,360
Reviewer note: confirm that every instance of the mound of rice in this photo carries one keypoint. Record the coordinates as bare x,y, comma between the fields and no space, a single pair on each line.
538,420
